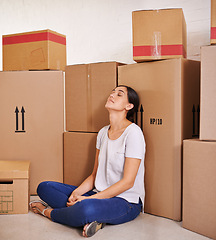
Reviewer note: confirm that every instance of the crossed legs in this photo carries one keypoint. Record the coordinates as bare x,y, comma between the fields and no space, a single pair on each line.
112,211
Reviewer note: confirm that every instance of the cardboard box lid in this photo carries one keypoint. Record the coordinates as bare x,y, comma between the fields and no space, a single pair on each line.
14,169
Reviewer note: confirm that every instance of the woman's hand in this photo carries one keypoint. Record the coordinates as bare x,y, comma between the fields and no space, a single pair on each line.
74,199
73,196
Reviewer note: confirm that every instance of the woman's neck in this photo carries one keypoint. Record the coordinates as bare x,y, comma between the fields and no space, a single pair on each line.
118,122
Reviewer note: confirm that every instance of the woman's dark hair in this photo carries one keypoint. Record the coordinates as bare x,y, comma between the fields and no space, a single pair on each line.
134,99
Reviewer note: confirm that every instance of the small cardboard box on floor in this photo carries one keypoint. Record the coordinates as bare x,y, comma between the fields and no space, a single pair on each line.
208,93
38,50
32,119
199,187
79,156
14,187
213,21
159,34
169,91
87,87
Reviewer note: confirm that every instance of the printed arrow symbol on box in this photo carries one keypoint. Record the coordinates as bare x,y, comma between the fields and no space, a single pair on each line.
17,112
193,111
23,111
198,117
141,110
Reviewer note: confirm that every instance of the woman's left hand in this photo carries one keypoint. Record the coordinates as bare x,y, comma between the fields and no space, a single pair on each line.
78,199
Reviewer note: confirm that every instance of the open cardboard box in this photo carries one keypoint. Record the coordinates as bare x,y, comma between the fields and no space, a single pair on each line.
14,187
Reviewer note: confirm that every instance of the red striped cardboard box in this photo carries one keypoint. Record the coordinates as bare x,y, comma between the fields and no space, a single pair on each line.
213,21
38,50
159,34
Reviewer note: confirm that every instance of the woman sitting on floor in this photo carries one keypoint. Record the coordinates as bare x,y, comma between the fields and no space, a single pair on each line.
114,192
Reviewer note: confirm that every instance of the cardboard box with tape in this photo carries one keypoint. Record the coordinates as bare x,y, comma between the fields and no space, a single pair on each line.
38,50
159,34
213,22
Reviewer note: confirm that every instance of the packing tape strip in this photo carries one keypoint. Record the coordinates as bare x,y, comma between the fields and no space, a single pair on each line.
213,32
156,46
166,50
33,37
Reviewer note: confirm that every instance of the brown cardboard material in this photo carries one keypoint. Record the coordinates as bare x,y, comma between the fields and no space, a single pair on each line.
14,187
38,50
87,87
208,96
159,34
32,119
213,21
199,187
168,91
79,156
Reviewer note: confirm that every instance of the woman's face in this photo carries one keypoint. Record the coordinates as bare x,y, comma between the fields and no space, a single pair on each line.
118,99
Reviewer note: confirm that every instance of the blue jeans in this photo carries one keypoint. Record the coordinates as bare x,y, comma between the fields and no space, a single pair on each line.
112,211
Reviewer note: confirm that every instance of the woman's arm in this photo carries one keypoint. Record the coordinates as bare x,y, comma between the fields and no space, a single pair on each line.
87,184
130,171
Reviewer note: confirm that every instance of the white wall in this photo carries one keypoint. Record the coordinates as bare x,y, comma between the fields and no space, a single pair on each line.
99,30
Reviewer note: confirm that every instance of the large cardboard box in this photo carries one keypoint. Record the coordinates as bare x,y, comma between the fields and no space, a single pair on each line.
208,96
199,187
32,119
87,87
169,91
213,21
159,34
38,50
79,156
14,187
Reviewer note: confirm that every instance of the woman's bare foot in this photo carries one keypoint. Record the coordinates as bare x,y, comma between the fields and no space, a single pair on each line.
84,228
91,228
39,208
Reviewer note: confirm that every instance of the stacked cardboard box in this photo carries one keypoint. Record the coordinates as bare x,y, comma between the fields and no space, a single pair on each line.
168,90
87,87
208,96
159,34
32,103
199,187
213,22
79,155
32,119
199,165
14,187
38,50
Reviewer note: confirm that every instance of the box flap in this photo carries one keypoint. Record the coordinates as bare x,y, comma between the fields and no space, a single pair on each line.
14,169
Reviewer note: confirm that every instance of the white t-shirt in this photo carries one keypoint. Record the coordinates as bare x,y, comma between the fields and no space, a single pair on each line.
111,161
